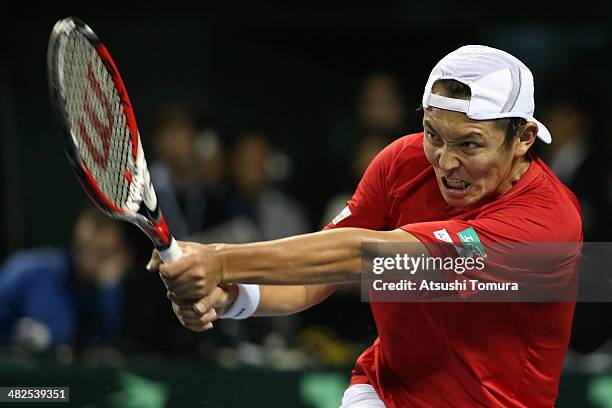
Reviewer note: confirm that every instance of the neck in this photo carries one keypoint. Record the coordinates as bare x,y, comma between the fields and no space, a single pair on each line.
518,170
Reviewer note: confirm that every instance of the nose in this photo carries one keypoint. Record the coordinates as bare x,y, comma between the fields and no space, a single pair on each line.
447,160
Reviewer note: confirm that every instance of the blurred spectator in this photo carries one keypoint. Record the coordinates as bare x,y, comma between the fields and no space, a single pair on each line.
203,203
366,148
379,116
73,296
344,316
259,211
578,157
571,126
379,109
381,106
274,214
187,172
577,161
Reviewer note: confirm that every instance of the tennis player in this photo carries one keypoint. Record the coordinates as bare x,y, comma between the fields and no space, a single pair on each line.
469,176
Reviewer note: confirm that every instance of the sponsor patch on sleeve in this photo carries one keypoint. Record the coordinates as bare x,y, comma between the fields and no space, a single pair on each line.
346,211
471,242
443,235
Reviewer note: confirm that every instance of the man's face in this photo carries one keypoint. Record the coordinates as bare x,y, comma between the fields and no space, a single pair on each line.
468,157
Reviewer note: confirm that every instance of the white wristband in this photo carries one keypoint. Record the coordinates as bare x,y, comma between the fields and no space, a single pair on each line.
245,304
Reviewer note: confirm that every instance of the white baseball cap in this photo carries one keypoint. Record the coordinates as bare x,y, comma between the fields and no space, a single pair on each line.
501,86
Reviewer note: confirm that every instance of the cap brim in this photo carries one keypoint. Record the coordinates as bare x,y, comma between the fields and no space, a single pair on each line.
543,132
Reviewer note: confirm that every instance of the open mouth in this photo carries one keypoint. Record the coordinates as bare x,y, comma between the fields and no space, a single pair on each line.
455,186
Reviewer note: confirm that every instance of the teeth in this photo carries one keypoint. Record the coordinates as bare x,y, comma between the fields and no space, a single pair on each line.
457,184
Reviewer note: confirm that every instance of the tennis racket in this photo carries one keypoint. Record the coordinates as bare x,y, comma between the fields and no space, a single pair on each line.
102,141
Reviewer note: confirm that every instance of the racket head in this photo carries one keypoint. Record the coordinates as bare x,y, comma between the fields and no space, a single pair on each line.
99,127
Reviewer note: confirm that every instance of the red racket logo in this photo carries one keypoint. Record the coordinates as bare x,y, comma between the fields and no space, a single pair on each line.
104,130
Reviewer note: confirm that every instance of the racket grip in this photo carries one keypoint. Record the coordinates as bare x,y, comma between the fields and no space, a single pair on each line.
172,253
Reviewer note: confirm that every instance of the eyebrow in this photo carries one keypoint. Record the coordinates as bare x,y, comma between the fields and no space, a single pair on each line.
477,135
427,124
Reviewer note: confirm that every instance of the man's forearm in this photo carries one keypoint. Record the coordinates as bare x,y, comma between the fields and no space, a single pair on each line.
328,258
332,256
286,300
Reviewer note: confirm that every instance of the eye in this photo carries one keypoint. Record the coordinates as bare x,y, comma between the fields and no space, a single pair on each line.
470,145
435,139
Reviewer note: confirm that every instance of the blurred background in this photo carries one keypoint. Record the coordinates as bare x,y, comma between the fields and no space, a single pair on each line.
257,122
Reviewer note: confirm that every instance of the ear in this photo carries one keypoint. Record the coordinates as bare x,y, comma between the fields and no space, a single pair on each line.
526,138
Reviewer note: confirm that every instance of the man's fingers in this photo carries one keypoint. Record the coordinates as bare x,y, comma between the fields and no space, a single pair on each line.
208,317
181,302
185,311
154,262
174,269
191,290
198,323
200,328
216,297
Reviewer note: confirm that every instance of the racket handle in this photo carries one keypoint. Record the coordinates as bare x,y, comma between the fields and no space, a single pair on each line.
172,253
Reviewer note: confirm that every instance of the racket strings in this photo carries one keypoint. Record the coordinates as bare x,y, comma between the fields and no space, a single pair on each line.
98,122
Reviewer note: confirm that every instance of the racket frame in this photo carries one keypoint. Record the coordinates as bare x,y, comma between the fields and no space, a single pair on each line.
148,216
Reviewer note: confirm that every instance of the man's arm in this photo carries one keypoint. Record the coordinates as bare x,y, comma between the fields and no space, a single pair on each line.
285,300
325,257
274,301
328,257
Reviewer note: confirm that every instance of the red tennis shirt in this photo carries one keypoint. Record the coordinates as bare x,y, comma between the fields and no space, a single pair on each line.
464,354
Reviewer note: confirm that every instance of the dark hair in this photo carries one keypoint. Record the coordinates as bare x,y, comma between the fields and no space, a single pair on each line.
456,89
175,113
100,220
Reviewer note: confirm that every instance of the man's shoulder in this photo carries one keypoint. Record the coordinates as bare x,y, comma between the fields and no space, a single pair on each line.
406,149
543,206
565,208
408,145
549,187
